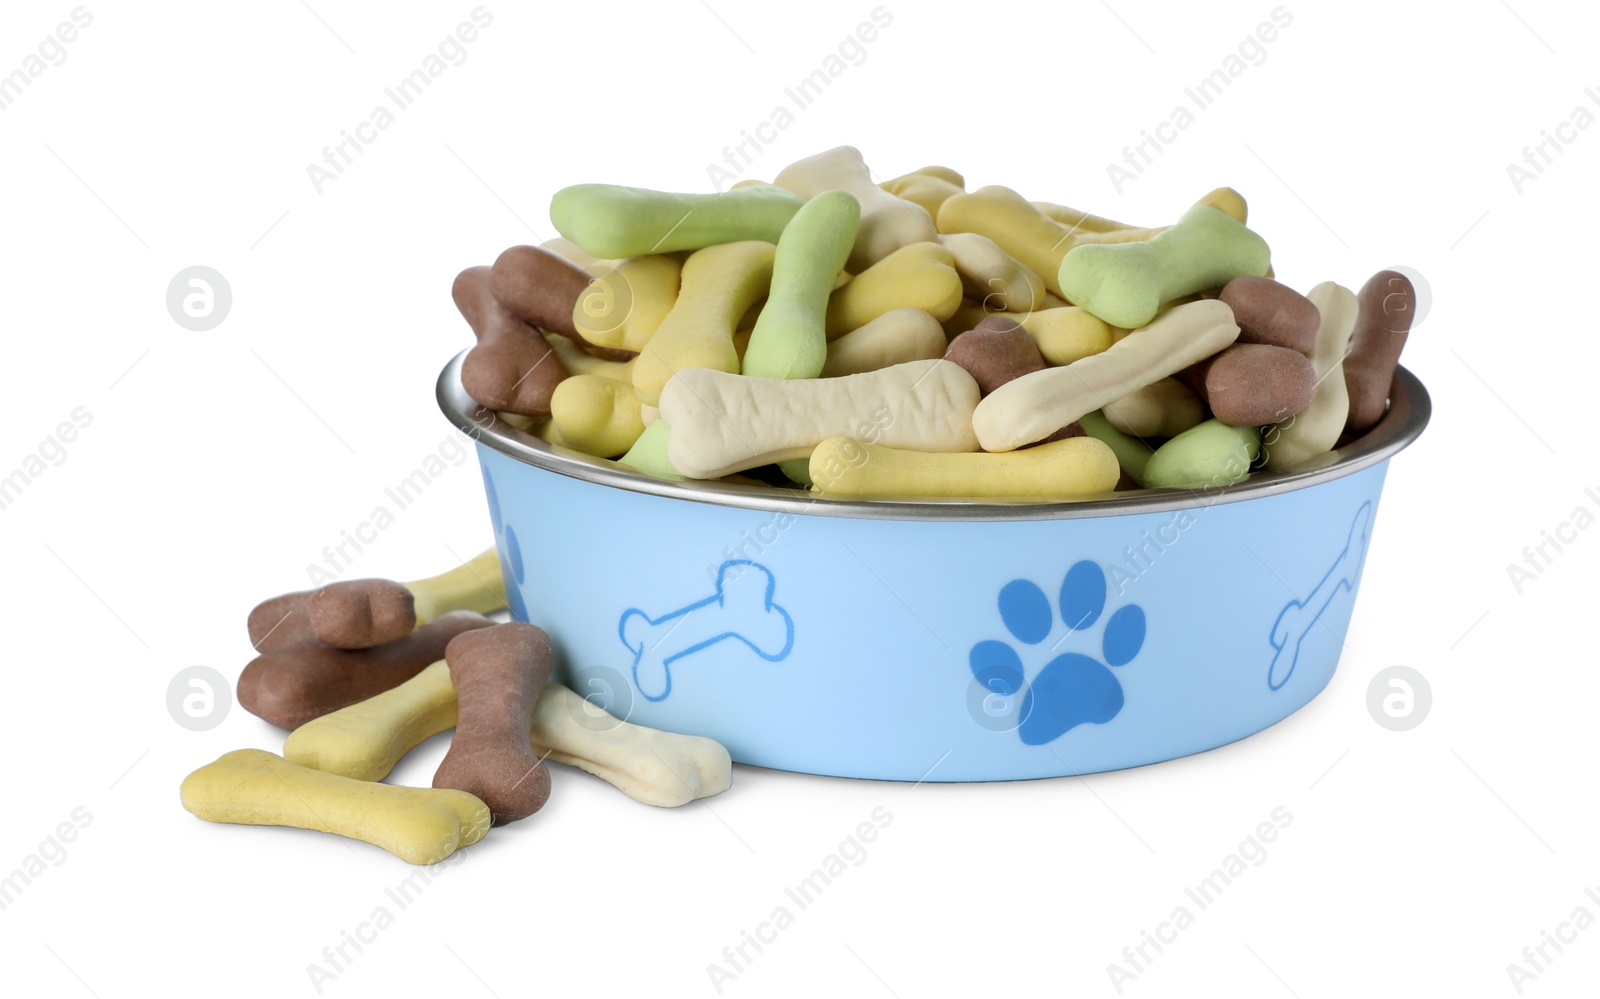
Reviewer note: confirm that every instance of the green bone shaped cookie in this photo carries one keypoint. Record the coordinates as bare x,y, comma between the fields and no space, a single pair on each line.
649,454
616,222
1132,452
1209,455
1125,283
790,339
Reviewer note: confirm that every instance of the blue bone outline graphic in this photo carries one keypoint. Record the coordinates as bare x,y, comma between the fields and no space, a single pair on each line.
682,615
1302,615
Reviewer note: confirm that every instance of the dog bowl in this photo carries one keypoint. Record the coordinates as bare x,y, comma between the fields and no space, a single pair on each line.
940,641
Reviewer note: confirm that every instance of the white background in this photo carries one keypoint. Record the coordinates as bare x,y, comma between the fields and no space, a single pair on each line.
219,464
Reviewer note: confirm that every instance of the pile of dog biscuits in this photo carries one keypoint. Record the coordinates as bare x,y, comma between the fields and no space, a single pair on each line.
913,339
364,671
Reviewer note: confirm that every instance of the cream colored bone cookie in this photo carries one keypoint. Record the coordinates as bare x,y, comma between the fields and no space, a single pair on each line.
887,222
993,277
722,423
895,337
654,767
1164,408
365,741
258,788
1316,429
1036,405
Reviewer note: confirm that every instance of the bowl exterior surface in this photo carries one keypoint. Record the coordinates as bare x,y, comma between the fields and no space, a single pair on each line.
937,650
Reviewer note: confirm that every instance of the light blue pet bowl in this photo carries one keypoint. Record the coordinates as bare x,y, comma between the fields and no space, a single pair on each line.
941,641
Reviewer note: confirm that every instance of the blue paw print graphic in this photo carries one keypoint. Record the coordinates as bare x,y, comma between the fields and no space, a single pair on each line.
1071,689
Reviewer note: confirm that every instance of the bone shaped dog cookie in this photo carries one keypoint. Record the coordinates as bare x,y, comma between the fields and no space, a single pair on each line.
498,674
255,787
722,423
365,741
887,222
654,767
362,613
291,685
1315,429
1035,405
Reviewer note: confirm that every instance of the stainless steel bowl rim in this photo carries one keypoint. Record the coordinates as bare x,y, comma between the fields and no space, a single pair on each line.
1408,413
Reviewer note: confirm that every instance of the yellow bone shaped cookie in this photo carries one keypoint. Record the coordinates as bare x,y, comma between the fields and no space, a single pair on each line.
255,787
1035,239
719,284
845,468
1067,333
920,276
621,308
928,187
577,361
596,415
1224,199
367,739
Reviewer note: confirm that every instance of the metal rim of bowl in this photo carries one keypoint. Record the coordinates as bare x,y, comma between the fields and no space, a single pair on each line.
1407,415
